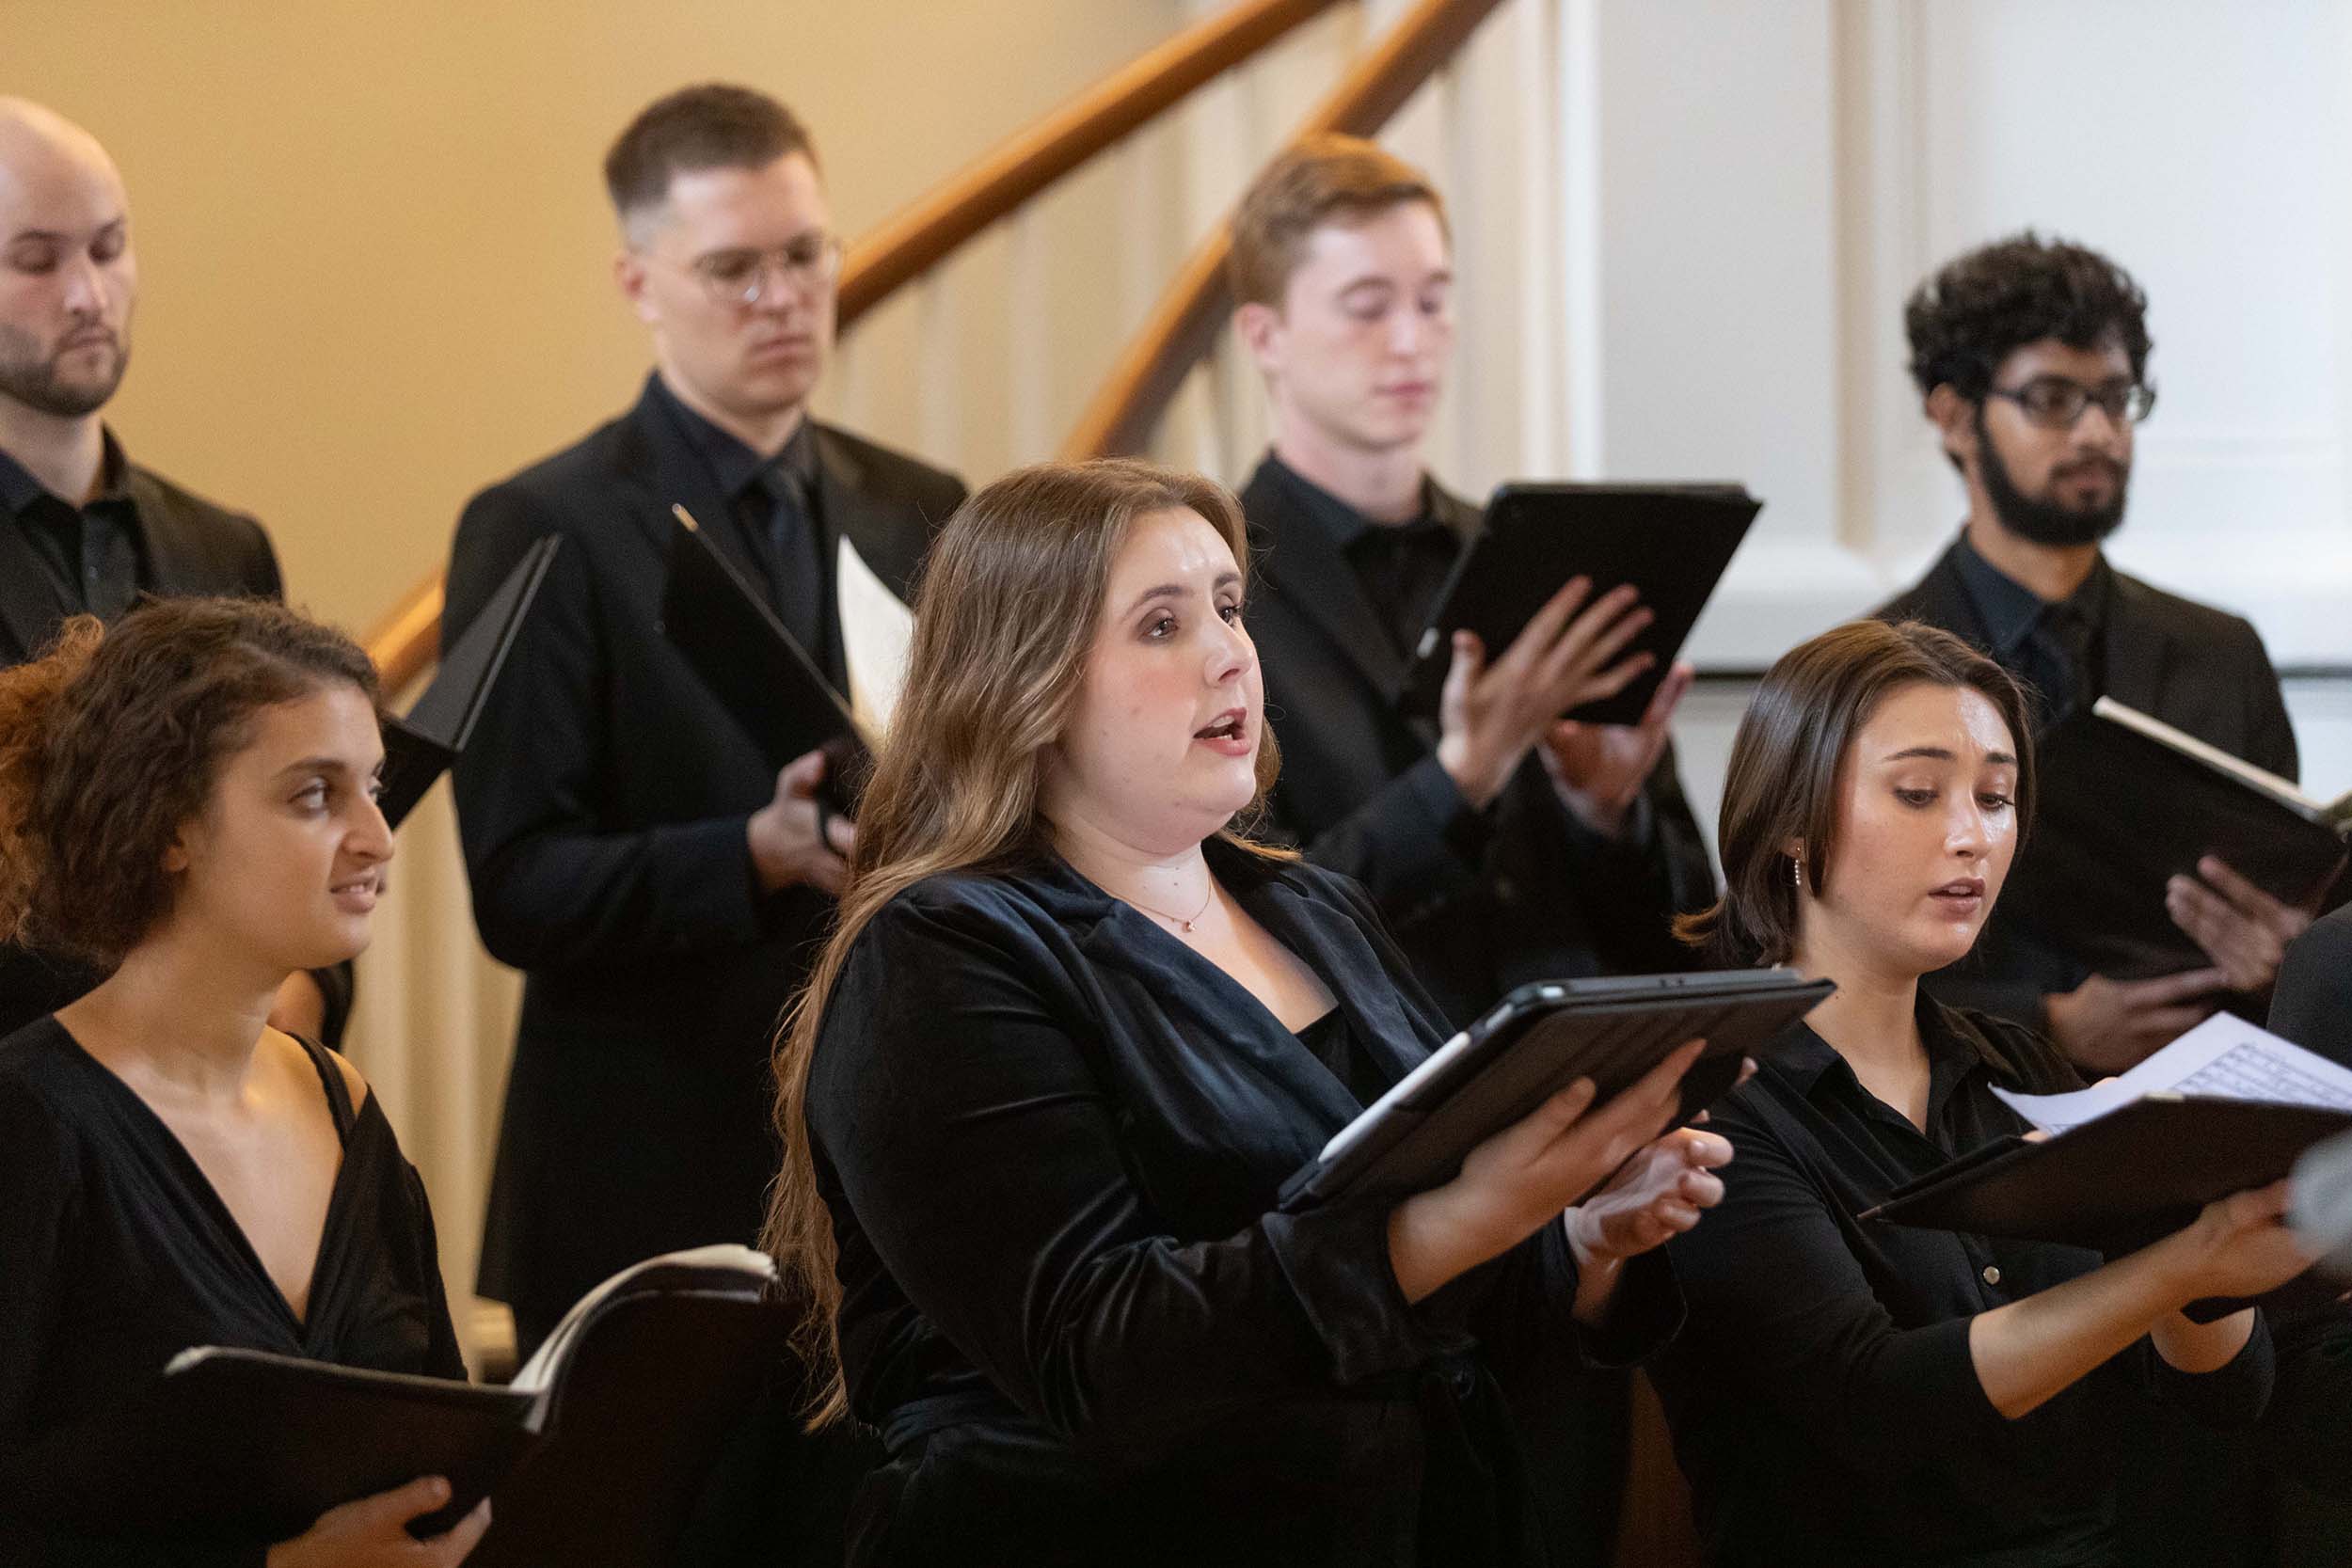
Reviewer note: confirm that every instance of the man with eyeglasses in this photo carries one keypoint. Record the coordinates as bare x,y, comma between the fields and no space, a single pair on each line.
661,886
2032,357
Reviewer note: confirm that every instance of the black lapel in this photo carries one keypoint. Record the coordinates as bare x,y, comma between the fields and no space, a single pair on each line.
2139,657
178,560
1942,599
671,473
1303,566
30,605
889,536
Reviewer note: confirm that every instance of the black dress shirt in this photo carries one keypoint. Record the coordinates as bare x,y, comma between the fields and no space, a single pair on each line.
1401,566
1823,1399
772,503
1481,900
2053,645
94,552
1051,1137
116,1253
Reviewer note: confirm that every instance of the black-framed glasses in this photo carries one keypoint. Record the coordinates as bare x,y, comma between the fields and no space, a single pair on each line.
739,277
2055,401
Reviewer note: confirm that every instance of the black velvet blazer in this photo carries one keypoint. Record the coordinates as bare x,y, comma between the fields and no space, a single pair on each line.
1051,1136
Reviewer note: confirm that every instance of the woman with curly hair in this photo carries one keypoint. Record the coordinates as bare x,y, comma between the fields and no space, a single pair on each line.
187,804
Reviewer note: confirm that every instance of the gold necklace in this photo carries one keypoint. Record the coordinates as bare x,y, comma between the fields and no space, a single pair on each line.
1178,920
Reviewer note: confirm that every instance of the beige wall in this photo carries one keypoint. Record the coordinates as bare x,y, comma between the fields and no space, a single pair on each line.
375,275
372,240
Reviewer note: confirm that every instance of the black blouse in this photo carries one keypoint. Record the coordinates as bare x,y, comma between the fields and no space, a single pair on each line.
1051,1136
1823,1400
116,1253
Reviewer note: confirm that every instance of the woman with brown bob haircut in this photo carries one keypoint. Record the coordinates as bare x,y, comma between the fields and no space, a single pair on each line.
187,804
1071,1035
1851,1392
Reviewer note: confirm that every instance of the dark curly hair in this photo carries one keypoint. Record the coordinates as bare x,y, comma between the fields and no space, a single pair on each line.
1984,306
111,741
1782,784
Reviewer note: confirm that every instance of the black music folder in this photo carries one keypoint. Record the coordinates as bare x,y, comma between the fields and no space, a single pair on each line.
755,666
2125,803
1537,1041
422,743
2224,1108
1673,542
239,1444
2137,1174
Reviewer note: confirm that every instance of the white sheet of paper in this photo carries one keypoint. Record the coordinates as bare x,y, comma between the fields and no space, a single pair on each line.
2224,1057
877,629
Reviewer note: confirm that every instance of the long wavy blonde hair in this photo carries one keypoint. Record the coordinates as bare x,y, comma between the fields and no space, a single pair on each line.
1011,600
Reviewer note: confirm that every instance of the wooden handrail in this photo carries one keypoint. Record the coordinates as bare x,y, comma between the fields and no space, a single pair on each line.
915,239
1185,323
406,641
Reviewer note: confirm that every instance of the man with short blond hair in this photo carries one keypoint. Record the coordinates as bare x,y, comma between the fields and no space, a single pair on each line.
1503,844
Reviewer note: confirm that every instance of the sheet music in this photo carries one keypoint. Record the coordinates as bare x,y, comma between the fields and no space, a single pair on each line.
2225,1057
877,631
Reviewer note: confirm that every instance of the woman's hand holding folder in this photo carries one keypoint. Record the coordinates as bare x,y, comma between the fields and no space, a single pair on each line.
1529,1173
2237,1248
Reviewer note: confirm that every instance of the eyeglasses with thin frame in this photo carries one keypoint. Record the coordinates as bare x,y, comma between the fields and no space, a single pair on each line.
2055,401
739,277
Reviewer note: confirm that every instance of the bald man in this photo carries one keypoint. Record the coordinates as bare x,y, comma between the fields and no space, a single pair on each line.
83,530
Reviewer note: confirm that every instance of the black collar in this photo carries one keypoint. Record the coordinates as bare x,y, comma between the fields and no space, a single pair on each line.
1342,523
734,467
2011,611
19,489
1810,1064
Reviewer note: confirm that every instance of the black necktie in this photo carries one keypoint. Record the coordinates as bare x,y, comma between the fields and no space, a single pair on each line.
2058,660
796,569
1402,567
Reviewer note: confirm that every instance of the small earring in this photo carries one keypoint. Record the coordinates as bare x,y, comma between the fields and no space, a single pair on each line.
1796,872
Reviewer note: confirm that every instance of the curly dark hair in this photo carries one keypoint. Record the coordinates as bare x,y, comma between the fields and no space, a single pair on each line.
112,740
1984,306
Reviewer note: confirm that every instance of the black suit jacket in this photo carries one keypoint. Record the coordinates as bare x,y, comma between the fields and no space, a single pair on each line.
601,802
2197,668
1480,901
189,546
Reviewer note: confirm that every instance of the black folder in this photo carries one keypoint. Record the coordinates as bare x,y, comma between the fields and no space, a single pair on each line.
420,744
239,1444
2122,808
2120,1181
1673,542
755,666
232,1445
1537,1041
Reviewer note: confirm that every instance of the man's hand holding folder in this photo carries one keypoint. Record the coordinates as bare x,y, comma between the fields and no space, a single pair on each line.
797,837
1492,715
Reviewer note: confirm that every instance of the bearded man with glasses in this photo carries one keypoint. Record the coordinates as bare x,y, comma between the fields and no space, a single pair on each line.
631,850
2032,359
